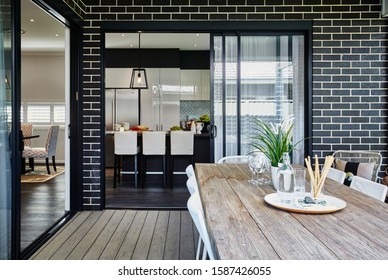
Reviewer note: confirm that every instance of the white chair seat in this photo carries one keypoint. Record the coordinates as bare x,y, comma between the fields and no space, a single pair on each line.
336,175
370,188
125,144
154,144
195,208
181,144
234,159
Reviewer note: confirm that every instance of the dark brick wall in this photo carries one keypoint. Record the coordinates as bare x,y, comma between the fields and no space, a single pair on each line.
77,6
349,66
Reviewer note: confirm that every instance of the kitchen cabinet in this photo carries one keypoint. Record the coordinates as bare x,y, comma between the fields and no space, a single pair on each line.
195,85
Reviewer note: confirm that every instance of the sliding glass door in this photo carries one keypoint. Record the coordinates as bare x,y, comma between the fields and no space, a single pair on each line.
257,77
5,128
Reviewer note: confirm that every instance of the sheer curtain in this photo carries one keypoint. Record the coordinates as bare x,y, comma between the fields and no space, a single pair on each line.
5,123
268,70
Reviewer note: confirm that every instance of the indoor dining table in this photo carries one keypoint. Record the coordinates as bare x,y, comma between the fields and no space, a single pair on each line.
243,226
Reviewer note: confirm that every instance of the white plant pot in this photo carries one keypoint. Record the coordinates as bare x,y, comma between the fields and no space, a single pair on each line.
274,177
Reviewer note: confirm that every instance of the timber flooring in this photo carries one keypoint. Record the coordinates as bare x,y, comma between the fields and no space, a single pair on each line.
42,205
123,235
152,196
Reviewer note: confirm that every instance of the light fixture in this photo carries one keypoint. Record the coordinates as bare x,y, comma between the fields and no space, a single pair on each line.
139,76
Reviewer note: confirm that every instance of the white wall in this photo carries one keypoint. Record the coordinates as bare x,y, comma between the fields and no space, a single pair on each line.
43,80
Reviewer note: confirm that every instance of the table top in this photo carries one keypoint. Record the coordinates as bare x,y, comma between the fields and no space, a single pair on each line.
243,226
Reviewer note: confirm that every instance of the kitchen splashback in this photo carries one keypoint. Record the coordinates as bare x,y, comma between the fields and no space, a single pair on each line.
194,108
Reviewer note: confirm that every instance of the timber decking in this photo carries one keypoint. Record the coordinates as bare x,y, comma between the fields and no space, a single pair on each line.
125,235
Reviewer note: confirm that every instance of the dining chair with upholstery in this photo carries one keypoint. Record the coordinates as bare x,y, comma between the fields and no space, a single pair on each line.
195,208
234,159
45,152
154,144
181,145
369,187
365,164
125,144
336,175
27,130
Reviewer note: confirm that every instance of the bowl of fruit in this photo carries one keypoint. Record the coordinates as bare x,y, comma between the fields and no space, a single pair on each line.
139,128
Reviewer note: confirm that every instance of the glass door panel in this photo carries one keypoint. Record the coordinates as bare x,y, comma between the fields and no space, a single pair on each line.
257,76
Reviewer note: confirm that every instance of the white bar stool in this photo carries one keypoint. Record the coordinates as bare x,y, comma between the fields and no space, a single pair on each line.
181,144
125,143
154,144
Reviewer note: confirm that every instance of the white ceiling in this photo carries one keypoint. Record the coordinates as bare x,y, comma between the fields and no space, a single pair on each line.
46,33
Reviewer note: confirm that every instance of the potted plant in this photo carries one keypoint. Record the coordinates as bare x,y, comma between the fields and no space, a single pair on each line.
206,121
273,141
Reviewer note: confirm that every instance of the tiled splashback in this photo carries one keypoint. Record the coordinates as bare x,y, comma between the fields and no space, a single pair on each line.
194,109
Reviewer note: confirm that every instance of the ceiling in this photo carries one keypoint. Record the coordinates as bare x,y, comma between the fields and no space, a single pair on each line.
43,33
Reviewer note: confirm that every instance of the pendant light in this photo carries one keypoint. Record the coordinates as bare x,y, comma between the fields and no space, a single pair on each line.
139,76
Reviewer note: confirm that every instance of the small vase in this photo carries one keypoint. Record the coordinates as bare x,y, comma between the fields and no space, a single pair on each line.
274,176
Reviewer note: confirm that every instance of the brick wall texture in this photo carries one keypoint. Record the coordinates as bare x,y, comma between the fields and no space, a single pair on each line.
349,66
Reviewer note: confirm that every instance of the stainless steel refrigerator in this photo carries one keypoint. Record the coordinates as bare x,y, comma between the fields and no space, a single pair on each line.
121,105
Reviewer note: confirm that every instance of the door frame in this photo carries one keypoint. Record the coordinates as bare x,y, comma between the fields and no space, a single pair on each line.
70,19
212,27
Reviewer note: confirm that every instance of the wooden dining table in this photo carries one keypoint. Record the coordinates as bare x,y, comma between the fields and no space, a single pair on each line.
243,226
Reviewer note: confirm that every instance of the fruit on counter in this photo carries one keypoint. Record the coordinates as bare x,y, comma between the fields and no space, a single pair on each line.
175,127
139,128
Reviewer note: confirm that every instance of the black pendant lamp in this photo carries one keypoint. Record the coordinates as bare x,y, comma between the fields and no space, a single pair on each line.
139,76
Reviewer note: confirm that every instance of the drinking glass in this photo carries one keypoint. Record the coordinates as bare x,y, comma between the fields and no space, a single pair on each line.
254,166
300,182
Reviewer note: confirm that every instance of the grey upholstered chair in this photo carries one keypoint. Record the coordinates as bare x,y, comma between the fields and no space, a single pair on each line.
45,152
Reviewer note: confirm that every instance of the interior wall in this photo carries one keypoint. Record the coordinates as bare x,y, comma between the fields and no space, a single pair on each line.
43,80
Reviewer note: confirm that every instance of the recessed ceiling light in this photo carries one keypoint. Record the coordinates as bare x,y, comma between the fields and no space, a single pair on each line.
131,45
56,35
195,45
22,31
122,35
197,34
32,20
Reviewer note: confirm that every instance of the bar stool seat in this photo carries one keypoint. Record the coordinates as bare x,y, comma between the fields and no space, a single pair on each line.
181,144
125,143
154,144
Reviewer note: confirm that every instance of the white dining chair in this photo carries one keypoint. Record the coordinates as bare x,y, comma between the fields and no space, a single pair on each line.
181,145
190,171
336,175
154,144
192,185
125,144
369,187
234,159
194,206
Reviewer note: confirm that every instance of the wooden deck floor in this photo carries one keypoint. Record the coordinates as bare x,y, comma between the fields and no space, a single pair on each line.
123,234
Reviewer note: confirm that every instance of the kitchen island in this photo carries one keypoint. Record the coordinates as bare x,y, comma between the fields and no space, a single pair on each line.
155,165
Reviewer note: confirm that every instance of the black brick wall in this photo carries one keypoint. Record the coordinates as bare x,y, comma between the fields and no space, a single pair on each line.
349,66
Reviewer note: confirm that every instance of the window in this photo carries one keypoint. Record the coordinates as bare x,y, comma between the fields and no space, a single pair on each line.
43,113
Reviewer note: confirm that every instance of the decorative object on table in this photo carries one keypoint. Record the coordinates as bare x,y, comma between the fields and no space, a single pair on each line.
258,164
317,178
286,177
199,127
205,119
192,126
274,141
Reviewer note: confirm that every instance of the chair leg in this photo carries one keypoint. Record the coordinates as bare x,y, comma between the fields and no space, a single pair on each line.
144,170
135,168
47,165
164,172
31,163
54,166
115,171
171,171
118,169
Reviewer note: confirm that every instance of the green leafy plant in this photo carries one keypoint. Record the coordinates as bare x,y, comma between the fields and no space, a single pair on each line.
204,118
273,141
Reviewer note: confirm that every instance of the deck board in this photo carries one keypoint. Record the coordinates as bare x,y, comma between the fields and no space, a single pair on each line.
123,234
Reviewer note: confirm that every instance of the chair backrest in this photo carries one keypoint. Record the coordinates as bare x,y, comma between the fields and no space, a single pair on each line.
154,142
369,160
194,206
192,185
181,143
52,139
234,159
125,143
336,175
190,171
27,129
370,188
